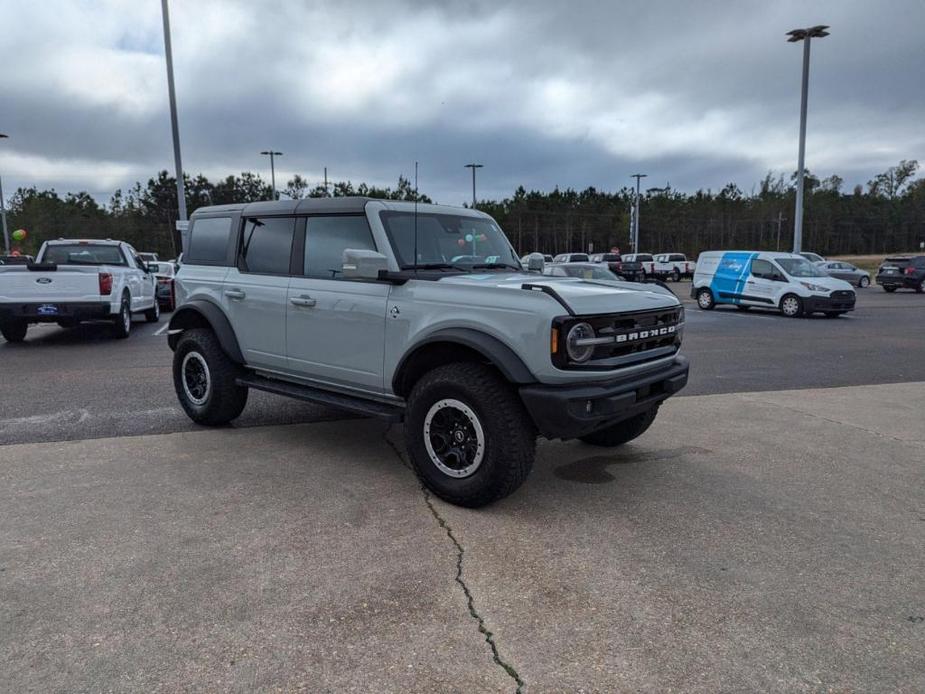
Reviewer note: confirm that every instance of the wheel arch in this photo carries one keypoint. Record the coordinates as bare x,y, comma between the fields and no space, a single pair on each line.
205,314
457,344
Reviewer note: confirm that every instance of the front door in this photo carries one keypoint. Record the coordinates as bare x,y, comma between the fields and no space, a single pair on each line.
336,327
254,294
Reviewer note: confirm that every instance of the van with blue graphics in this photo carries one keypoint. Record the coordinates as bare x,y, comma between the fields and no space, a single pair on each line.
784,281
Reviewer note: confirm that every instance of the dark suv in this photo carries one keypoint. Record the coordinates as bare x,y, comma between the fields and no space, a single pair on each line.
902,271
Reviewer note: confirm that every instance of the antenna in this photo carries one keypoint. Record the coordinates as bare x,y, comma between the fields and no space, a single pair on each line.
415,218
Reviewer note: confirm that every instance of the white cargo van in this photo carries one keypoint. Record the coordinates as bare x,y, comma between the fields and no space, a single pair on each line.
784,281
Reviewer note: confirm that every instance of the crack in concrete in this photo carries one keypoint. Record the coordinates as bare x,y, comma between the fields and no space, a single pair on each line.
460,552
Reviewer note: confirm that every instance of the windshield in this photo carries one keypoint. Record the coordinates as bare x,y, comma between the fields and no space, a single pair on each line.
589,272
800,267
83,254
447,239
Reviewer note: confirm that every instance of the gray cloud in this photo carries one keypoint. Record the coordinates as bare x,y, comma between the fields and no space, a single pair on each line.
543,93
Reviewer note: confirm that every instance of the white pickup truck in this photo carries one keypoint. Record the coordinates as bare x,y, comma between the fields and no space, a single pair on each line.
672,266
73,281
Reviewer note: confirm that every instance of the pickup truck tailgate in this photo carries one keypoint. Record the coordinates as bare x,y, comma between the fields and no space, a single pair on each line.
66,284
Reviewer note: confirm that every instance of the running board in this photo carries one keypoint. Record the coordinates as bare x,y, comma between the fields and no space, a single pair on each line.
368,408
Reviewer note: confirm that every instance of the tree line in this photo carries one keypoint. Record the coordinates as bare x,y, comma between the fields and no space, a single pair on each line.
885,216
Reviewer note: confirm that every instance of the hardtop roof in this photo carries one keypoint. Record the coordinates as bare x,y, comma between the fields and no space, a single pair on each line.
338,205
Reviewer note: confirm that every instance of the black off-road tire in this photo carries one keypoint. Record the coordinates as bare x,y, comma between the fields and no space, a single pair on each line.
509,434
622,432
153,314
705,299
14,330
121,327
222,399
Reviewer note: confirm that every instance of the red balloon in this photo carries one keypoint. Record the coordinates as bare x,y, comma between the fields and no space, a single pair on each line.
461,242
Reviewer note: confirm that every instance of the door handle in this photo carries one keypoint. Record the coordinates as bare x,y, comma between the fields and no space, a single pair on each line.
750,282
302,301
235,294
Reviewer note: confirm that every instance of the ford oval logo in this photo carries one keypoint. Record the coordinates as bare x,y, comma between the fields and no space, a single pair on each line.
44,280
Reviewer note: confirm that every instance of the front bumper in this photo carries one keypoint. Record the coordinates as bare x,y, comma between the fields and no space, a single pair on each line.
566,412
842,300
41,313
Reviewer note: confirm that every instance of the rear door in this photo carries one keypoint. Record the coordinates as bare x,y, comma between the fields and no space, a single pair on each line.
254,293
335,326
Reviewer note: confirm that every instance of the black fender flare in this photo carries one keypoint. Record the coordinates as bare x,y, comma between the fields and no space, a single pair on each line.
193,313
503,357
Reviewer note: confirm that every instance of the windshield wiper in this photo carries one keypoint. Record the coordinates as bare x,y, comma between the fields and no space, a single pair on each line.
491,266
433,266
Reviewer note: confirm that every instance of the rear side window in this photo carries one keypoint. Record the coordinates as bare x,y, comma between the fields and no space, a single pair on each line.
326,239
208,243
266,245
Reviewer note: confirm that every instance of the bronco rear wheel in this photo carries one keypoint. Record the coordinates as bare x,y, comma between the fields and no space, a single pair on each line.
205,379
468,435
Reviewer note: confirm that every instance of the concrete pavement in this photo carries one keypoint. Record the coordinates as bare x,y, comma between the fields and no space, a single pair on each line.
761,541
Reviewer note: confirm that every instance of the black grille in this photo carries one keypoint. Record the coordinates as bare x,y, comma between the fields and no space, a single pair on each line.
843,295
636,333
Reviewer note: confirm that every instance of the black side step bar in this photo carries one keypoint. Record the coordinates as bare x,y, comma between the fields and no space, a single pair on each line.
368,408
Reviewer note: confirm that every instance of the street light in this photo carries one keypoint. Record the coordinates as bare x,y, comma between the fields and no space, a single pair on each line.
635,238
181,189
473,167
270,153
6,231
805,35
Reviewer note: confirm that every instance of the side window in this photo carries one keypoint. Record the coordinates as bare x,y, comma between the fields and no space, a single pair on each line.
208,241
763,269
326,239
266,245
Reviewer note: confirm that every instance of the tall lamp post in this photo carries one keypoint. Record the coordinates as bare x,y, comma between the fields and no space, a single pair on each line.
6,231
635,239
804,35
270,153
181,189
473,167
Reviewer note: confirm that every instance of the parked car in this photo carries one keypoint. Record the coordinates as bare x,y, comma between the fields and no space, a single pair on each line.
16,259
164,272
74,281
784,281
613,261
845,271
672,266
585,271
812,257
902,272
350,302
637,266
571,258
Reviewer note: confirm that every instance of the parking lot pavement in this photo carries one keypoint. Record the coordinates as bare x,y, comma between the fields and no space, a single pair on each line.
747,542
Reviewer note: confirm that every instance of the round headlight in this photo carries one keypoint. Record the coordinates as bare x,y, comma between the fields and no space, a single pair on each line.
579,353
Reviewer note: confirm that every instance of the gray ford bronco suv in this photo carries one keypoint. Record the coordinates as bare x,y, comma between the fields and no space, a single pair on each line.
421,314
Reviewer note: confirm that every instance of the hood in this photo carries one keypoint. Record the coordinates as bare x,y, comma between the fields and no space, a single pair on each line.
830,283
584,297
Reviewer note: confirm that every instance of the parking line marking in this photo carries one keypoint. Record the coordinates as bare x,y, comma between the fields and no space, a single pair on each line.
161,331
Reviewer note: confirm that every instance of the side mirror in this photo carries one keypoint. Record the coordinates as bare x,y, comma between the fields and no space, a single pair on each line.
535,262
363,265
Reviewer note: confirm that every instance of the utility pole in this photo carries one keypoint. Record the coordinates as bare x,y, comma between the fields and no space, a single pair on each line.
181,188
473,167
637,176
272,154
780,218
326,181
804,35
6,230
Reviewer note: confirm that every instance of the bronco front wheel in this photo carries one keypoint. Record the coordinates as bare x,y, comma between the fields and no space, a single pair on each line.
469,438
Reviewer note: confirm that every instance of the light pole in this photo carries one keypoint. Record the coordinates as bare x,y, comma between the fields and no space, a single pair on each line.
270,153
637,176
473,167
6,231
181,189
804,35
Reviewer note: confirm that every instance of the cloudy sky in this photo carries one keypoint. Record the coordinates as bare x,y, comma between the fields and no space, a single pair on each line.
542,93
